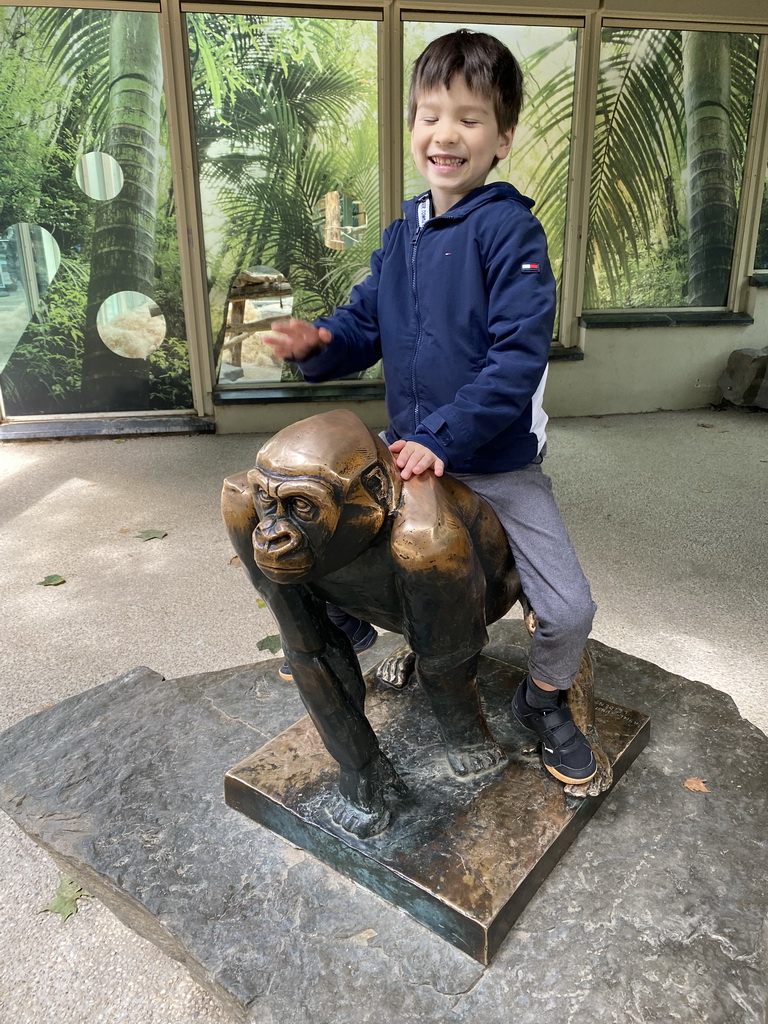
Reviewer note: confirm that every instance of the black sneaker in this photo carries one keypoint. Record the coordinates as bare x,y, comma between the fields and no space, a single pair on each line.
362,634
564,749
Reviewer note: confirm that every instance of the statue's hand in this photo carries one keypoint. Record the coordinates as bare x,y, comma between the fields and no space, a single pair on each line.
396,670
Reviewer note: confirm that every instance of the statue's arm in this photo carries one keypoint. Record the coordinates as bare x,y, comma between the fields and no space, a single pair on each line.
321,657
442,586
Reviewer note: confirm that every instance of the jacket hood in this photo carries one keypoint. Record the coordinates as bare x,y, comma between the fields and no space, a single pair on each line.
477,197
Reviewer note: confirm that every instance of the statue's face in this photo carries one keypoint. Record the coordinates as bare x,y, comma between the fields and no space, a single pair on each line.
321,494
298,517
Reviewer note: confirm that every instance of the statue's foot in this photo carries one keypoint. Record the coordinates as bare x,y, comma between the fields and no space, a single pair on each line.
396,670
361,808
360,823
473,758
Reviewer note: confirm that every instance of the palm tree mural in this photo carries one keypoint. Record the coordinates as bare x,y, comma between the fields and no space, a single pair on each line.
274,137
274,98
123,246
671,126
106,95
710,159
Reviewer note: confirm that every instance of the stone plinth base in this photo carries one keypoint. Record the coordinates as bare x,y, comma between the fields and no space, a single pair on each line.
463,857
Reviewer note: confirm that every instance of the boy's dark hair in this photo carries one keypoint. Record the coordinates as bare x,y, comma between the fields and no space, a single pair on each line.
486,65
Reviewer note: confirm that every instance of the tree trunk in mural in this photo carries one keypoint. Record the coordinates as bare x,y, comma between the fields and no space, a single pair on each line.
123,248
711,186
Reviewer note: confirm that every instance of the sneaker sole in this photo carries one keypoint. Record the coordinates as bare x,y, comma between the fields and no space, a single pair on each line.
287,676
570,781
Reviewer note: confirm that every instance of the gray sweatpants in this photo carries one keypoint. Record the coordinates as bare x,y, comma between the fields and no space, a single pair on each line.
552,579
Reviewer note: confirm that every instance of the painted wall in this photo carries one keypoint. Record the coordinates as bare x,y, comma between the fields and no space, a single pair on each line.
651,368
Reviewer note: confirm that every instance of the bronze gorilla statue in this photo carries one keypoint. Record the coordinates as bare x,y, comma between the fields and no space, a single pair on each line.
325,517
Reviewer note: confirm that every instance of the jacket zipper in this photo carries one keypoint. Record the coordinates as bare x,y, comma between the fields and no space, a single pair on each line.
414,244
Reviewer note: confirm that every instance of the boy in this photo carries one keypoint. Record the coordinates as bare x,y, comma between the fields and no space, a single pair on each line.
460,305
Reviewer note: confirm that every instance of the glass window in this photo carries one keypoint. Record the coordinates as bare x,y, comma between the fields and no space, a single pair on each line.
286,125
538,164
91,315
673,111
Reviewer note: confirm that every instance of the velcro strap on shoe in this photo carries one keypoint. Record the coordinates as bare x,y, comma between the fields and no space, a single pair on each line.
559,728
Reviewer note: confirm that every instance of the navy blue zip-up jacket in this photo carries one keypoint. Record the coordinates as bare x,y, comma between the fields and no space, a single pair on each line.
461,312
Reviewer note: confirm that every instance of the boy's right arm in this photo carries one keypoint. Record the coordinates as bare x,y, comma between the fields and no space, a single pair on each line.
344,343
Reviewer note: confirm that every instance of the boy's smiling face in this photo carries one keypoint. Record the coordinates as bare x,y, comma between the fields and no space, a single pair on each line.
454,141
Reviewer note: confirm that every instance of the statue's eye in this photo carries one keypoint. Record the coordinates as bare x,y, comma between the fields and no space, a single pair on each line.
303,508
264,498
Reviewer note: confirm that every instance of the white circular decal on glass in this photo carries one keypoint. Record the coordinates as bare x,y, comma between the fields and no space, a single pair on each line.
99,175
131,324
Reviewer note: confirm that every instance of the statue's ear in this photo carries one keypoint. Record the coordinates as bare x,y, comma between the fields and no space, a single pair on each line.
377,483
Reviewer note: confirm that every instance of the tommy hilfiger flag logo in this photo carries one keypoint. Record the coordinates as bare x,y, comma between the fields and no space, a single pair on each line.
530,268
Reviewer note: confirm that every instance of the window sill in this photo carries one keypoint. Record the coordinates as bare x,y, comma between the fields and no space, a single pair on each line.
332,391
759,279
672,318
350,391
116,426
558,353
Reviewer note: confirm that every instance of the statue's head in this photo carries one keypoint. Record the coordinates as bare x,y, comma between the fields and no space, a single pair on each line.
323,492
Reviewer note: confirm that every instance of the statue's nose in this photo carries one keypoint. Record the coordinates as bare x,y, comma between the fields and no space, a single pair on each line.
276,536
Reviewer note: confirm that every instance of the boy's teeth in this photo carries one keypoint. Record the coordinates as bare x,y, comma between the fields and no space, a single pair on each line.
447,162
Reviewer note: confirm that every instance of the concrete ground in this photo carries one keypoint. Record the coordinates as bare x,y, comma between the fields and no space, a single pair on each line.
667,510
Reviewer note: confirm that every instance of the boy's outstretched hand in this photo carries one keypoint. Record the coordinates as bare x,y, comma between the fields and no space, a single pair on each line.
296,339
413,458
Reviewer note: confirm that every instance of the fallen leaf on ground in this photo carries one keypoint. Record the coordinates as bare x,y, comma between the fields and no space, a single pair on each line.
52,581
64,902
234,560
260,603
152,534
705,424
270,643
696,785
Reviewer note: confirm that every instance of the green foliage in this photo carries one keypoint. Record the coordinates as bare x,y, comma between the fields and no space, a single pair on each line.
44,119
299,123
54,580
24,121
638,215
761,255
64,902
271,643
170,382
43,374
152,534
62,55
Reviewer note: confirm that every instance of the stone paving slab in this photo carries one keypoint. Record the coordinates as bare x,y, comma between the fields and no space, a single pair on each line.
657,912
